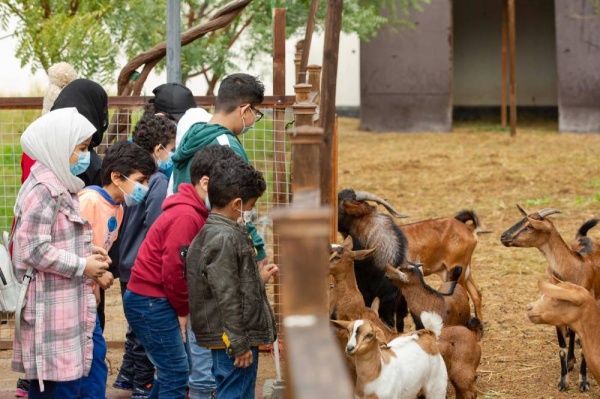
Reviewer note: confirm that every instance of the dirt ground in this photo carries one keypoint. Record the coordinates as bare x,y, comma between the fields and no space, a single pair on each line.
478,167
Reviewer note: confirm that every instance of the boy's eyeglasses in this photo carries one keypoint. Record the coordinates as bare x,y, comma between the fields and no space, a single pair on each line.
257,114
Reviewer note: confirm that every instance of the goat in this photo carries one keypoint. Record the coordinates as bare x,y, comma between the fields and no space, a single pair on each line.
571,305
440,244
370,229
460,348
407,366
453,307
536,230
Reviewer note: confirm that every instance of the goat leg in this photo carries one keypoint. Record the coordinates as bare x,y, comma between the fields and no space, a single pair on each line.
584,384
562,383
571,360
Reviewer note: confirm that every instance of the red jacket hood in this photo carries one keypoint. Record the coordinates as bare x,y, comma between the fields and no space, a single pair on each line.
186,195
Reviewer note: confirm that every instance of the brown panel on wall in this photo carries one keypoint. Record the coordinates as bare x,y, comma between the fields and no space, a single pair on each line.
406,76
578,52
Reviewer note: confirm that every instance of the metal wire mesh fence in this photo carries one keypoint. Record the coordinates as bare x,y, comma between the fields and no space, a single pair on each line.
268,151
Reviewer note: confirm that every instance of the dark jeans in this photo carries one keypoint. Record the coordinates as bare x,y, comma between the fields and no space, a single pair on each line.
68,389
155,323
234,382
136,368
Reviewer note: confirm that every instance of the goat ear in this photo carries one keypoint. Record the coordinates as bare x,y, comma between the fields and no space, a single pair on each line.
375,304
395,274
540,225
522,210
565,292
358,255
348,244
379,335
340,324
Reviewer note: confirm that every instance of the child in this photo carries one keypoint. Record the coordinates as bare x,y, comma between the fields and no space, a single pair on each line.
156,299
230,312
55,349
156,135
125,171
235,113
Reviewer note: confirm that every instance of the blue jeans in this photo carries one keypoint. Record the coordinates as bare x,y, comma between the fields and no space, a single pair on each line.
155,323
234,382
201,381
68,389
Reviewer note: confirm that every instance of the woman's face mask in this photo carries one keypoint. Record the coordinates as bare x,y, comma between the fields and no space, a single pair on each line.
82,164
137,195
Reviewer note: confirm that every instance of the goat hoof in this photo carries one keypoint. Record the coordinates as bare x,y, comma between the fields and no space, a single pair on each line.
562,386
584,386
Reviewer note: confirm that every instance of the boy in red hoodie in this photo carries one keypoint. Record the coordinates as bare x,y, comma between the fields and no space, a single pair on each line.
156,300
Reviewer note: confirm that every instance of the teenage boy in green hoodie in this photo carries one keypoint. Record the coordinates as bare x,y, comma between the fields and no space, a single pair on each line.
235,113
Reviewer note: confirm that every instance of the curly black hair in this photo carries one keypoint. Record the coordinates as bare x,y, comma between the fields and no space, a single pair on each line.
204,161
153,129
233,178
126,158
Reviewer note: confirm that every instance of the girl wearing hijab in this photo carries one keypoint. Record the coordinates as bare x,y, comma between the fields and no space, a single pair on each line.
55,348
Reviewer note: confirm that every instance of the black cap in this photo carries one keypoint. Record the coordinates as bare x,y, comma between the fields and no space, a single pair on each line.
173,99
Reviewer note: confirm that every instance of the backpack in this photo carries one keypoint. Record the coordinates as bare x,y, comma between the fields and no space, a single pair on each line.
12,291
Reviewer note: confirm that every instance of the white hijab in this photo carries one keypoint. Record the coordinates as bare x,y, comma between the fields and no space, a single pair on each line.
51,140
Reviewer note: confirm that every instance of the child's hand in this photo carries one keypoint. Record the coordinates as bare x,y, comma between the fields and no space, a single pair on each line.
95,265
101,251
182,325
244,360
105,281
267,271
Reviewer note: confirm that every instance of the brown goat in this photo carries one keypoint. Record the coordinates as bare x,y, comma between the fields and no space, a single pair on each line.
537,231
440,244
460,347
452,307
571,305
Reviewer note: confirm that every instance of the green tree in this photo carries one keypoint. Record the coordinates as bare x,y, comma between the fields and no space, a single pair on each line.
93,35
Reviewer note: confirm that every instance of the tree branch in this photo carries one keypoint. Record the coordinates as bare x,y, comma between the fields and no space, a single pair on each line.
47,10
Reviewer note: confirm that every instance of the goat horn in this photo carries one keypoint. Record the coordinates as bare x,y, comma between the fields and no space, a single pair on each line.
522,211
547,212
365,196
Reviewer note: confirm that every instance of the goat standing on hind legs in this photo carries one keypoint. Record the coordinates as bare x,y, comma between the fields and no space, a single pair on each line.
537,231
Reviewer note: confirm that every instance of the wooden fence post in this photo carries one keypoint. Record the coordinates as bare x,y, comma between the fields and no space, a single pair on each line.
314,80
304,108
298,59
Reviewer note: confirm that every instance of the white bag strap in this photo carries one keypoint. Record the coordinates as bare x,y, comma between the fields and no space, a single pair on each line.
29,273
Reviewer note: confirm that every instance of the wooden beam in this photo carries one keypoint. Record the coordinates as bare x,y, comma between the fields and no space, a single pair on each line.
504,91
310,27
512,49
333,26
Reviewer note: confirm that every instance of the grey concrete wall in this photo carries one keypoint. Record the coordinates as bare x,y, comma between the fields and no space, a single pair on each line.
477,53
406,77
578,51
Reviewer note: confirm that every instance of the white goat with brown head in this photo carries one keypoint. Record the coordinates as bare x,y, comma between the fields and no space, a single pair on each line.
401,369
535,230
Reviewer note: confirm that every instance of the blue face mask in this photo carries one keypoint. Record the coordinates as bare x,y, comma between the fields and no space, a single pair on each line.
83,163
207,203
246,128
137,194
166,167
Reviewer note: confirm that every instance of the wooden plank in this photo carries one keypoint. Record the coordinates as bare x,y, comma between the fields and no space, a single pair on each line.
334,183
333,26
512,49
310,27
504,34
281,100
279,173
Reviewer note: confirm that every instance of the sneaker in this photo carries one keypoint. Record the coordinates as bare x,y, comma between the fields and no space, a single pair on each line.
141,392
122,383
22,388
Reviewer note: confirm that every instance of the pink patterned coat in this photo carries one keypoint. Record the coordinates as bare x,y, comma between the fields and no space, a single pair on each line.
59,318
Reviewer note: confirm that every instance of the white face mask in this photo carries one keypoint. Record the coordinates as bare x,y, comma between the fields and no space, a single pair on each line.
245,217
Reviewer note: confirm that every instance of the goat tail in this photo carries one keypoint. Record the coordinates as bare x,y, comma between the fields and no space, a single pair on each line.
469,215
582,232
432,322
475,325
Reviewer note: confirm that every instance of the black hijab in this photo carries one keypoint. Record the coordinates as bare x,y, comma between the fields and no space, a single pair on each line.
91,101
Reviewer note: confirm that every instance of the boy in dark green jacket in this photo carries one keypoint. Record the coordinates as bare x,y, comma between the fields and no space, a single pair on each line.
235,113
